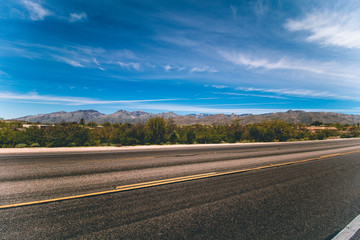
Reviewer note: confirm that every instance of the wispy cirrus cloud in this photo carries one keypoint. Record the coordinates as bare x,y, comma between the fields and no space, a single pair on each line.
36,11
333,28
167,68
145,104
300,93
261,62
98,64
203,69
288,92
4,74
66,100
130,65
71,62
76,17
74,55
284,63
249,95
219,86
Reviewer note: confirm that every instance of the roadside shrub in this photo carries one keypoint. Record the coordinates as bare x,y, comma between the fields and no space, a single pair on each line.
173,138
21,145
190,136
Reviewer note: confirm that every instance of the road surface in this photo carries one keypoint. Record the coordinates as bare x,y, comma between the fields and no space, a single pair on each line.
301,190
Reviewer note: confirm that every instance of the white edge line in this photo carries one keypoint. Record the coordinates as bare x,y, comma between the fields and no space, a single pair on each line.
349,230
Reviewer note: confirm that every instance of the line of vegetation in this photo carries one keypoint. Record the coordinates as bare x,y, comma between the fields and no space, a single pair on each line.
161,131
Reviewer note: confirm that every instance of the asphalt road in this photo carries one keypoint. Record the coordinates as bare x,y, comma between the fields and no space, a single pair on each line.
314,199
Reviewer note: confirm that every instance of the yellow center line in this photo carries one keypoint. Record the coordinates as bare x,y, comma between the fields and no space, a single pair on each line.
164,181
76,162
168,181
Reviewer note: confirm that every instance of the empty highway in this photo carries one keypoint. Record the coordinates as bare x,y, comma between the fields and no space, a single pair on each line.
297,190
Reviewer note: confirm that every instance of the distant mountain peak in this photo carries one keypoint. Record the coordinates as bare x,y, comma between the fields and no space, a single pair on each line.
89,110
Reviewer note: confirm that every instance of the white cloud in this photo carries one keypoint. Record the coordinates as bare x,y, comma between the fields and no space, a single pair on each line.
300,93
209,98
96,61
71,62
98,64
36,11
244,104
249,95
2,73
74,55
168,68
284,63
340,28
219,86
177,40
66,100
76,17
147,104
129,65
203,69
147,64
77,55
254,62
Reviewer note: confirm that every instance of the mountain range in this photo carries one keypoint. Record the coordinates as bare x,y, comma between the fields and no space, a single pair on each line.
123,116
120,116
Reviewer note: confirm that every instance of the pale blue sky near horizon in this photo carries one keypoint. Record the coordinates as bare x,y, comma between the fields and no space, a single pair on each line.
182,56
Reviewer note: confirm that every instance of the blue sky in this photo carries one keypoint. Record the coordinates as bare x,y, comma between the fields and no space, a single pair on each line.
181,56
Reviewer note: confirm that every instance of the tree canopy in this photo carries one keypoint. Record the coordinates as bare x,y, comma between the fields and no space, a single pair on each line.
160,131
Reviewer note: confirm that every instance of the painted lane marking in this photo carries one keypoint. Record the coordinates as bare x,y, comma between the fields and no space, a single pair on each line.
167,181
118,189
349,230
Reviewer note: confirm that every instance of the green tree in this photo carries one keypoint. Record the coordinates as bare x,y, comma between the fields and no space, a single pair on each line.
138,132
257,132
174,137
170,126
236,131
317,123
82,122
157,130
102,135
190,136
79,136
92,124
55,137
106,124
35,135
11,137
268,131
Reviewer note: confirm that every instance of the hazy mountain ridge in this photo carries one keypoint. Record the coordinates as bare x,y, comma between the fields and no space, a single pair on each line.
120,116
297,117
123,116
57,117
